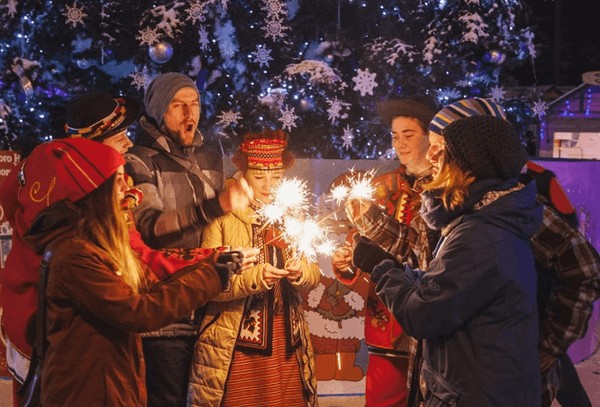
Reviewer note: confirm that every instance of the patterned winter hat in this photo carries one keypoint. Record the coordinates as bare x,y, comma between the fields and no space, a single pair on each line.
265,151
465,108
486,146
420,107
65,169
97,115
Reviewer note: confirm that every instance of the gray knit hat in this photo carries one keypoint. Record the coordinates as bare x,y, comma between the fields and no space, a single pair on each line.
161,90
486,146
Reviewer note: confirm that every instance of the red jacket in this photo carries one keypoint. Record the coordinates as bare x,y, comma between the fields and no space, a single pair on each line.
395,195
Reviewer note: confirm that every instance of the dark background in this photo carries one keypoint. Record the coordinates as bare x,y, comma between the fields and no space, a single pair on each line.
568,37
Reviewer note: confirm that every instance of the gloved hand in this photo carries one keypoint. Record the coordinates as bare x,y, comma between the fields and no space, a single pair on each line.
367,254
228,263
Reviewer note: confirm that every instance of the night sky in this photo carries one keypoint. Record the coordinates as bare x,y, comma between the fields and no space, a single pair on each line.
568,32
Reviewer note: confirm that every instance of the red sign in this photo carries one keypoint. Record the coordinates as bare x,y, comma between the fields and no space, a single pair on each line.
8,159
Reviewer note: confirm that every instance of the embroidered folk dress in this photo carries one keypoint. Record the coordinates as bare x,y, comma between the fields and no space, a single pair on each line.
254,347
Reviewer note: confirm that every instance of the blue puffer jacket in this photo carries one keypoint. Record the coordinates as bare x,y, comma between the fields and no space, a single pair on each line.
475,307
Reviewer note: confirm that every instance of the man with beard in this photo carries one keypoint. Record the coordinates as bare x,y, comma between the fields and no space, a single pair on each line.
182,182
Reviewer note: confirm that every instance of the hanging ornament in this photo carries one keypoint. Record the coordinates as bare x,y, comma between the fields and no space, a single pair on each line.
83,63
494,56
161,52
26,86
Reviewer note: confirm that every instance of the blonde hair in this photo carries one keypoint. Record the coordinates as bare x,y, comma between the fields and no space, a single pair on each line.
105,225
453,183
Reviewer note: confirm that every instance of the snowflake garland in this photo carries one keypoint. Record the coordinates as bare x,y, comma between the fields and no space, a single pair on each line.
288,118
539,108
203,38
228,118
336,109
274,8
148,36
365,82
196,12
348,138
497,93
75,15
275,28
262,55
140,79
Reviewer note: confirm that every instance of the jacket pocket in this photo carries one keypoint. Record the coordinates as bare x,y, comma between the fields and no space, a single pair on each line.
439,392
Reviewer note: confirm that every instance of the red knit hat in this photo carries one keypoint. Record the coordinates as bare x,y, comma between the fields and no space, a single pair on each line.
264,151
63,169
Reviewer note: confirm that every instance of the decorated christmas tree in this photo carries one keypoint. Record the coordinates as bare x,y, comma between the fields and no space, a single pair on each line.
315,68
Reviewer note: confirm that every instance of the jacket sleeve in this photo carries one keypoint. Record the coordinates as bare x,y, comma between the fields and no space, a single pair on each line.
561,249
95,288
157,224
448,294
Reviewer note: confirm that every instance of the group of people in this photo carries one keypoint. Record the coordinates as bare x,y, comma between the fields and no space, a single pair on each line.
145,307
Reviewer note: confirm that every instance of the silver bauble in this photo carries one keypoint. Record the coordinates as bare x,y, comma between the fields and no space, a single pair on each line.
161,52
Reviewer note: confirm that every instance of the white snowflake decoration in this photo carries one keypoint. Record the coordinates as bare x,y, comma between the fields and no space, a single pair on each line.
336,109
274,8
262,55
365,82
148,36
348,137
539,108
228,118
497,93
274,28
203,38
75,15
288,118
196,12
463,83
140,80
389,154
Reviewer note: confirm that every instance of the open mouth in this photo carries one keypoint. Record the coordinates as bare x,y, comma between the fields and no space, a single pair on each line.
189,127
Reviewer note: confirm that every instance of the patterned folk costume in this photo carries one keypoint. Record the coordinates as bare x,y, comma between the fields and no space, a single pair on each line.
254,346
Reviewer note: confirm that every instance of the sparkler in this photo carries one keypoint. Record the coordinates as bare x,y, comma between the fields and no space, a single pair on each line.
290,210
357,186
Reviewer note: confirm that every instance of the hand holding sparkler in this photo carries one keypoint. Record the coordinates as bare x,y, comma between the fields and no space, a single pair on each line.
272,274
294,268
357,194
342,260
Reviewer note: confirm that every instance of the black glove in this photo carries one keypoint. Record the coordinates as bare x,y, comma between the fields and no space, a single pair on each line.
367,254
228,263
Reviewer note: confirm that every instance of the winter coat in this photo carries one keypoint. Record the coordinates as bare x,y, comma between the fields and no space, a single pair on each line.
475,307
94,355
180,185
222,321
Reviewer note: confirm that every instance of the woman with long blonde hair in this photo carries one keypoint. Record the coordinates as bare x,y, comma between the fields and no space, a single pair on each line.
98,295
475,306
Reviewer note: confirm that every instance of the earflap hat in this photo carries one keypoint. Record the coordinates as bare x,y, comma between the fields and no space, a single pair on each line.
65,169
97,115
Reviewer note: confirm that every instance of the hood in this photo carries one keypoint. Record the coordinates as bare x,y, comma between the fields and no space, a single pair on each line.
58,221
516,211
150,135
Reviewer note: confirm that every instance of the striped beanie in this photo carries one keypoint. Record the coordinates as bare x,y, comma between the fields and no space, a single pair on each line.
161,91
64,169
462,109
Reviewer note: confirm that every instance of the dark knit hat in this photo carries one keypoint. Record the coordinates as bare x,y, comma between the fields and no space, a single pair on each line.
421,108
486,146
65,169
465,108
161,91
97,115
